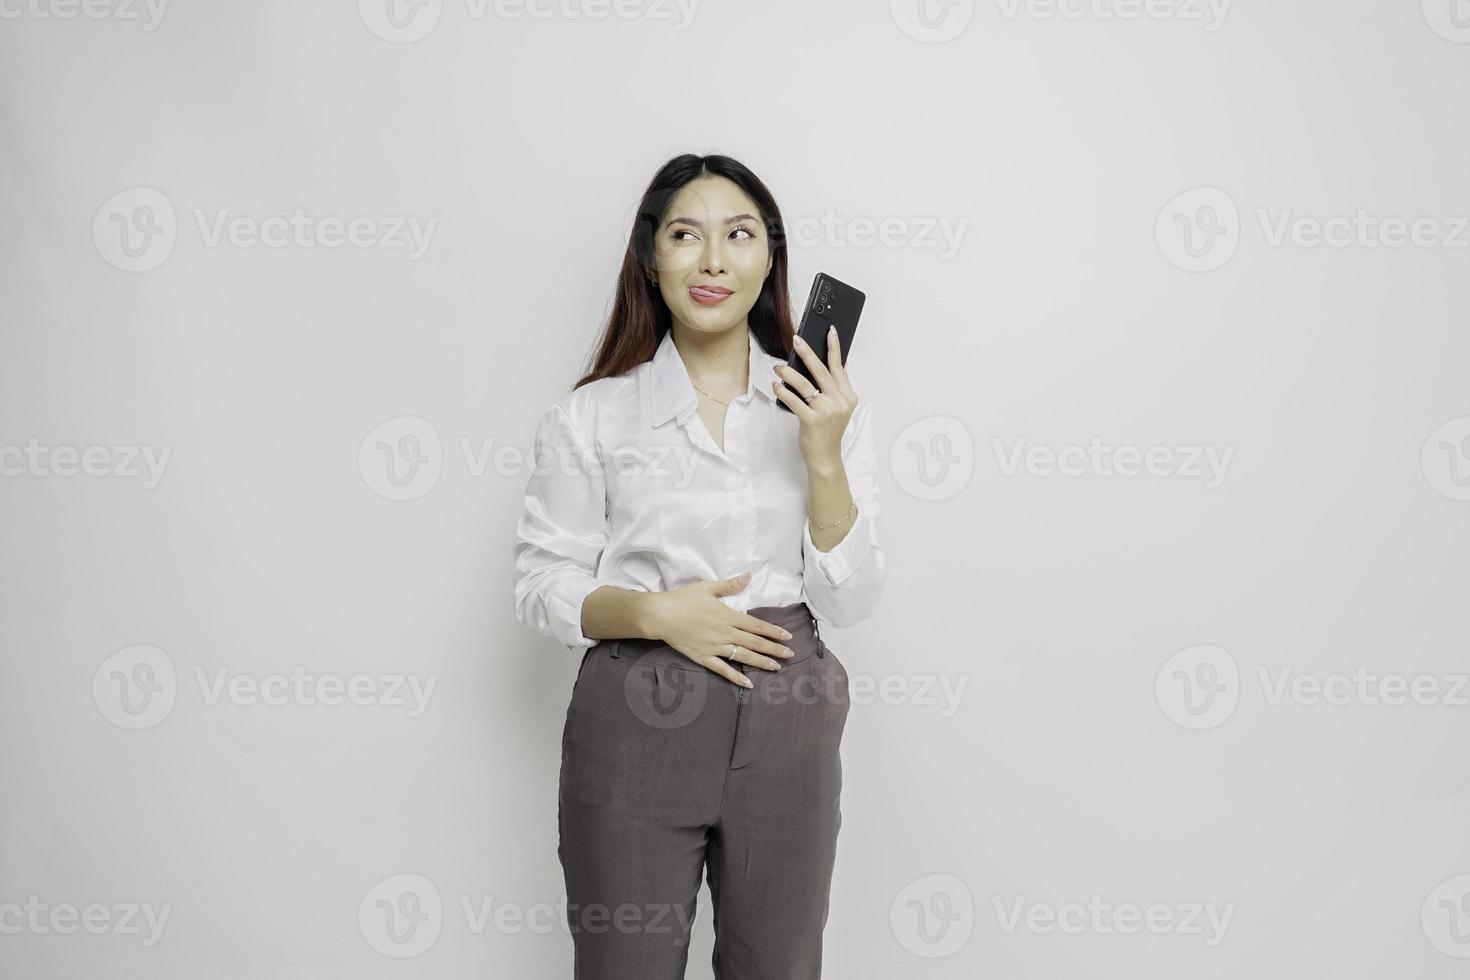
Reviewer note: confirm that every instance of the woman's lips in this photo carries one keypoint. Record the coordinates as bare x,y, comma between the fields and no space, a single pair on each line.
709,295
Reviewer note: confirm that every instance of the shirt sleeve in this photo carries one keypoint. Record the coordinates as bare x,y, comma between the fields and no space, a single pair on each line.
842,586
562,531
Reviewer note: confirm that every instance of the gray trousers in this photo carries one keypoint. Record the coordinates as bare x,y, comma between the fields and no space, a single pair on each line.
669,770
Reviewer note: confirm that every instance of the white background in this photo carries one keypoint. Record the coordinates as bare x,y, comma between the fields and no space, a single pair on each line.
1078,761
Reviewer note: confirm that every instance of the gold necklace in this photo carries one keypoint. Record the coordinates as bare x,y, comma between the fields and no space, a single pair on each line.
712,397
709,396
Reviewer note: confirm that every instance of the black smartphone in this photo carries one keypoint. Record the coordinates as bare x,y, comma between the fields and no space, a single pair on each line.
832,303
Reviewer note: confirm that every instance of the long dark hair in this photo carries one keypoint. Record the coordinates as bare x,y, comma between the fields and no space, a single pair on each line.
640,317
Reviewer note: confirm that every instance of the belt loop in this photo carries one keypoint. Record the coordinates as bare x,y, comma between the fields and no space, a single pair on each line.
613,648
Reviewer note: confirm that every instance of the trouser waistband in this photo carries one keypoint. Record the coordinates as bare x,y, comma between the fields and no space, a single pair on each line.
796,618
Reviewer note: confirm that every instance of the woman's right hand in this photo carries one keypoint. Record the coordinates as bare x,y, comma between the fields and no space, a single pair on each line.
694,621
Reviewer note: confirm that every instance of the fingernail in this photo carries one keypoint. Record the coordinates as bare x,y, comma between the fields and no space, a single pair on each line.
785,635
789,653
746,682
831,331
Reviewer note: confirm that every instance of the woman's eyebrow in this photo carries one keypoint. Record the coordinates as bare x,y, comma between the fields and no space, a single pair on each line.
699,224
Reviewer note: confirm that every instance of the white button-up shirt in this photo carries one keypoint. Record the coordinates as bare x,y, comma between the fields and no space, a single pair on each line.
629,489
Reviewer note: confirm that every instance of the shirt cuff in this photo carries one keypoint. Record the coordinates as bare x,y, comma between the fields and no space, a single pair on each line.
838,565
565,610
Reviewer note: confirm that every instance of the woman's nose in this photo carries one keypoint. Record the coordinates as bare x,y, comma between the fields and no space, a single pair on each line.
714,257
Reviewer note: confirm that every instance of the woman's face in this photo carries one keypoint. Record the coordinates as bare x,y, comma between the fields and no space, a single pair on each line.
712,255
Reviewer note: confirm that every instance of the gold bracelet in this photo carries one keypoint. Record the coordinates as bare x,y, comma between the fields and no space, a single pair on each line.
851,510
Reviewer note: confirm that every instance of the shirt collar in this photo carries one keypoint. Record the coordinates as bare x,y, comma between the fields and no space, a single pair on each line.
668,391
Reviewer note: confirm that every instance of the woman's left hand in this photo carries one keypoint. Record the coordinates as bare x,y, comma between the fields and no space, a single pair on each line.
824,420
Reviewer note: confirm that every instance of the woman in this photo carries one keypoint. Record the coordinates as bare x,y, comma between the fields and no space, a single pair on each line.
689,533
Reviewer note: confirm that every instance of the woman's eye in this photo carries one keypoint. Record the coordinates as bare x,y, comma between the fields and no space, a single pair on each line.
677,234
